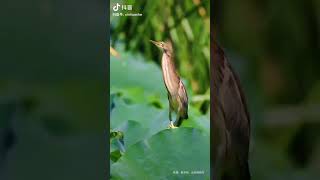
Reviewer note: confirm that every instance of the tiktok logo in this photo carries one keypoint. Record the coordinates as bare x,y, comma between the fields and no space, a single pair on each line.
116,7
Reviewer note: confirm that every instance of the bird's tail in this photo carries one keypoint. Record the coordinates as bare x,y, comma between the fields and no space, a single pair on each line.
180,120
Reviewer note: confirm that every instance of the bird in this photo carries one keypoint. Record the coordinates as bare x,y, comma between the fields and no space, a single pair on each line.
177,94
230,119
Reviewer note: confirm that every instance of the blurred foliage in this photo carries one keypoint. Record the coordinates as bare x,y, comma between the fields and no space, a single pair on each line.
186,23
146,149
274,47
281,44
52,90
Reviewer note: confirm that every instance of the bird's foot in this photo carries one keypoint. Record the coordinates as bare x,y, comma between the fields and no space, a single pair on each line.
171,126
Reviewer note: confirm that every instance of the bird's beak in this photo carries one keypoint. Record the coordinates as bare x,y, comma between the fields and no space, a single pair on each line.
158,44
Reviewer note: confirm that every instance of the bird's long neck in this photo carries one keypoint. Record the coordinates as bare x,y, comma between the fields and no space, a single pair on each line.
170,76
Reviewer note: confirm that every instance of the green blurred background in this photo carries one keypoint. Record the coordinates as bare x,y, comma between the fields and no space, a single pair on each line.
274,47
53,74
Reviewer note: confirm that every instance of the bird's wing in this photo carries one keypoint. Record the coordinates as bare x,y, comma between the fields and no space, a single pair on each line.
229,95
182,94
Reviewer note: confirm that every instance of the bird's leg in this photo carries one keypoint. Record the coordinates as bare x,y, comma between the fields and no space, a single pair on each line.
179,117
170,118
171,126
177,123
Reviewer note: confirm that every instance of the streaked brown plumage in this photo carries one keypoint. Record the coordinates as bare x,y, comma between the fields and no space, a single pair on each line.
177,94
231,121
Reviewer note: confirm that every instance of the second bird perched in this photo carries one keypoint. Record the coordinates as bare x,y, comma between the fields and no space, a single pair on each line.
177,94
231,121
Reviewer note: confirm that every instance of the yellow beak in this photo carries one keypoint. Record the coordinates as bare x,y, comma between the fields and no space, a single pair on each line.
158,44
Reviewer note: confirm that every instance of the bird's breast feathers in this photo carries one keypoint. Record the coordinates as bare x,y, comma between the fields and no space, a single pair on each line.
170,76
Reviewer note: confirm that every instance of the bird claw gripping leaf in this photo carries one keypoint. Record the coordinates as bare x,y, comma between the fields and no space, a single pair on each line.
171,126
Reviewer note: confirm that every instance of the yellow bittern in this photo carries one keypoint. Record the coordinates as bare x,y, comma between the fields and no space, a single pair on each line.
177,94
231,122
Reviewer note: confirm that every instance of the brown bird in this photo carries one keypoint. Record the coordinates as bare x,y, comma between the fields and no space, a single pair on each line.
177,94
231,122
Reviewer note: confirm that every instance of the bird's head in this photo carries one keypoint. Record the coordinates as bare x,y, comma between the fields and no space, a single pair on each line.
165,46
